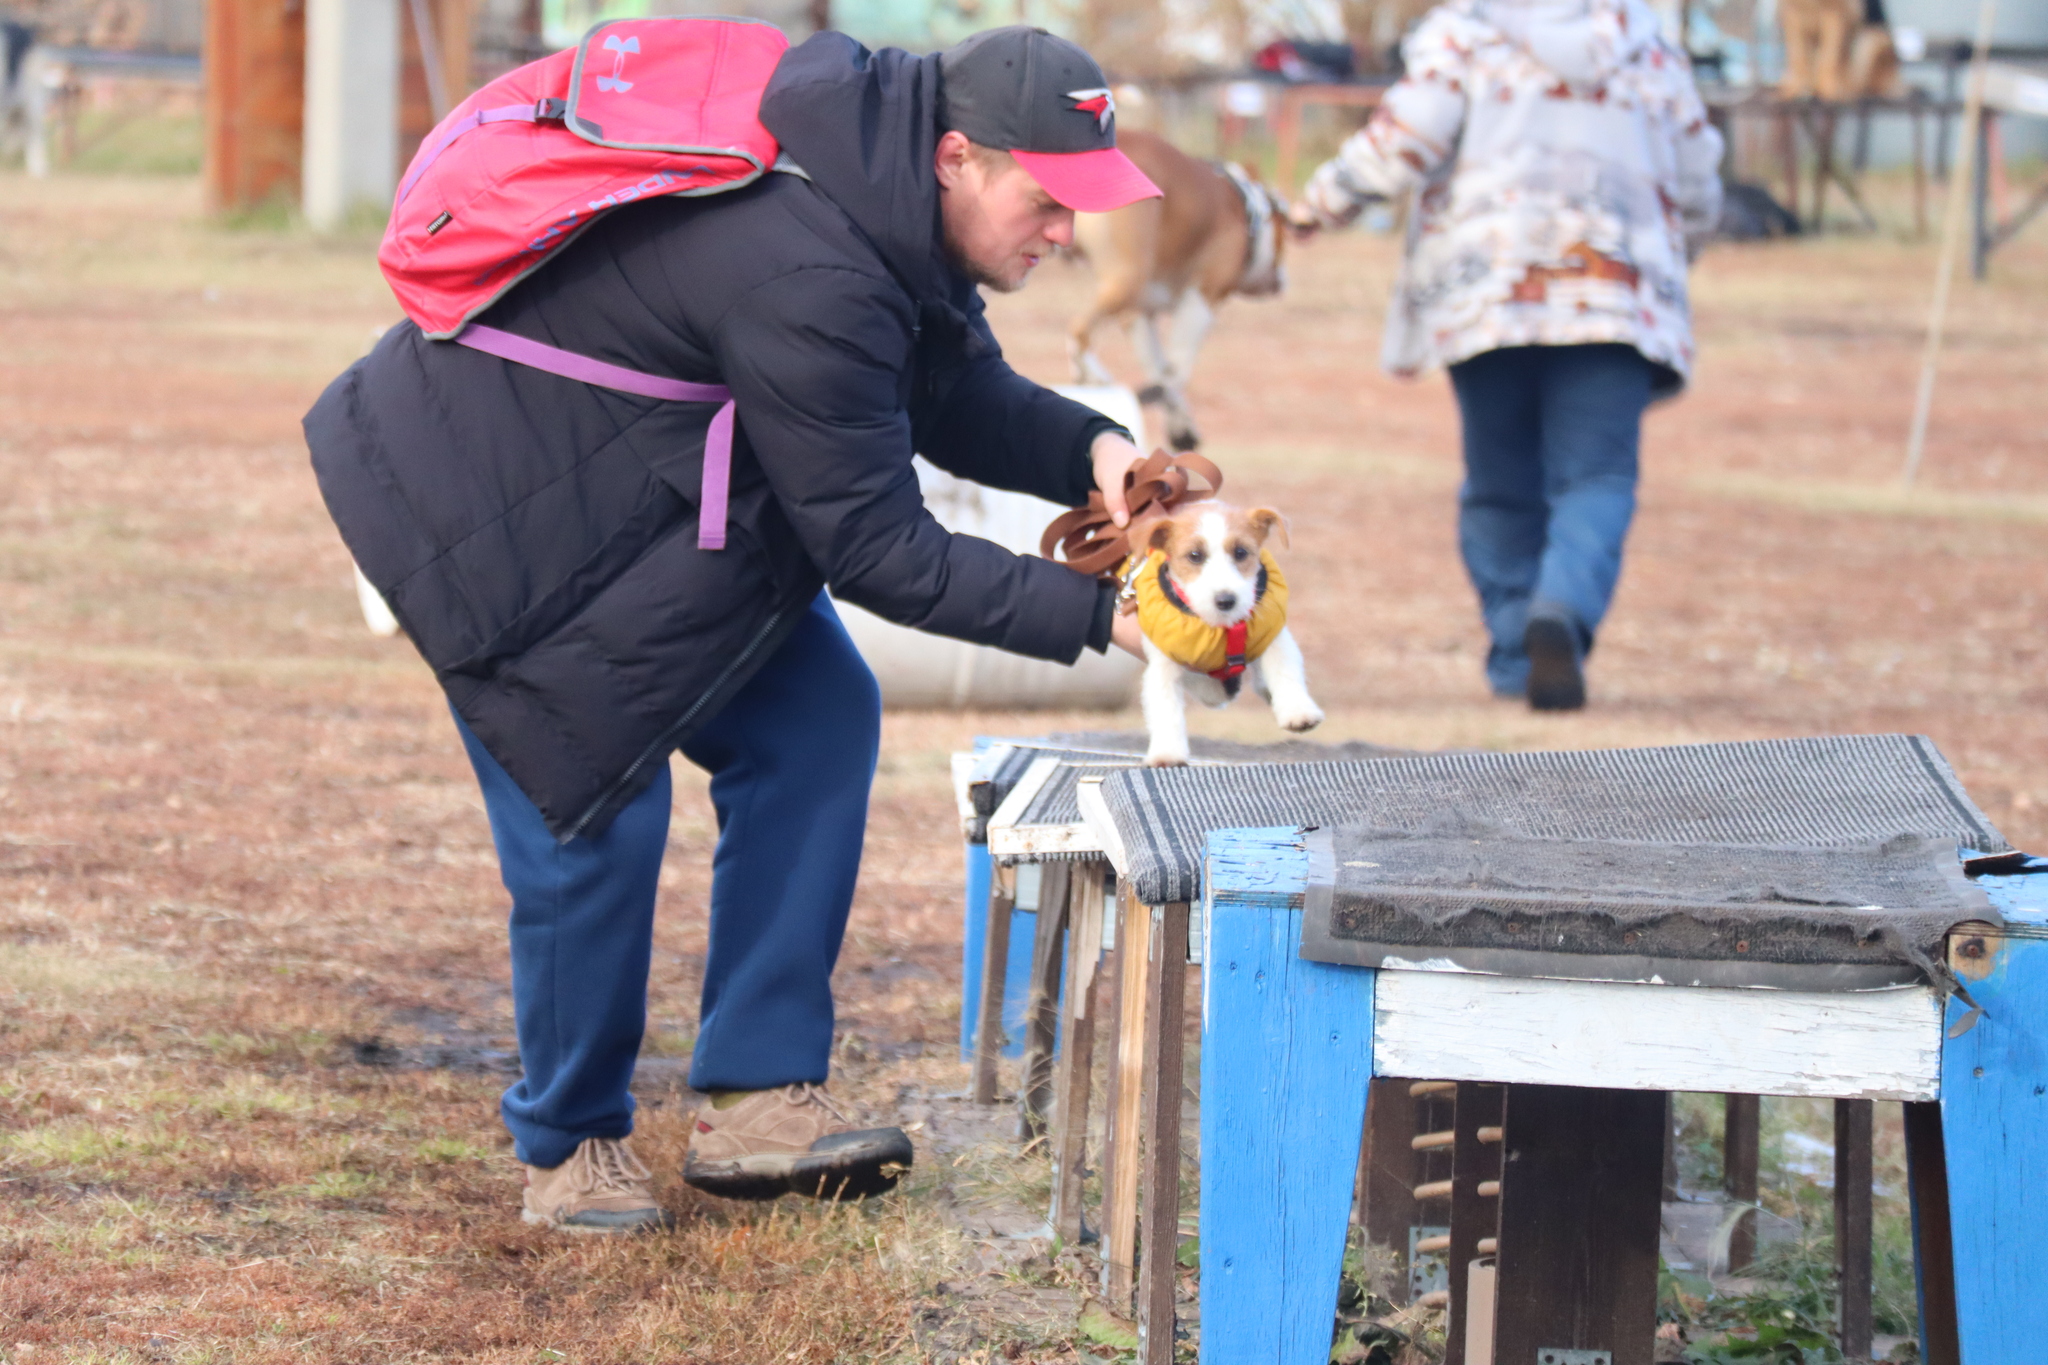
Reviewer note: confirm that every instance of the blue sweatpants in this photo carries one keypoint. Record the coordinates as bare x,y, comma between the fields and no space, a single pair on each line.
1551,435
791,759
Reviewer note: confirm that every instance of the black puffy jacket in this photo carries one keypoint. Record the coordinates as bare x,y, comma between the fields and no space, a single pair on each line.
537,537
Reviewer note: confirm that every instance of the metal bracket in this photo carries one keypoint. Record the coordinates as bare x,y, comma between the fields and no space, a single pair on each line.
1558,1355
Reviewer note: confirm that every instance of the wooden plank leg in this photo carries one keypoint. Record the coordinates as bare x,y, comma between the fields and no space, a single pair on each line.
995,970
1934,1261
1159,1205
1854,1125
1075,1075
1740,1134
1387,1179
1120,1203
1475,1216
1670,1149
1579,1219
1286,1057
1994,1125
1042,1005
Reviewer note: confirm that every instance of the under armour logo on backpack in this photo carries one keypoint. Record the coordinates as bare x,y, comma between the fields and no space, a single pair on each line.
1098,102
618,47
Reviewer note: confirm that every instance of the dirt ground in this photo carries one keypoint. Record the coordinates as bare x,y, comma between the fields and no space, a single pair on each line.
253,1009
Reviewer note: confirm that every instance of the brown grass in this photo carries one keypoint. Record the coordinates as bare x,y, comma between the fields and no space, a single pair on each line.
242,862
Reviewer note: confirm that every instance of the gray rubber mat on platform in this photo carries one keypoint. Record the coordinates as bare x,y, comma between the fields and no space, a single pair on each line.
1795,792
1004,762
1873,905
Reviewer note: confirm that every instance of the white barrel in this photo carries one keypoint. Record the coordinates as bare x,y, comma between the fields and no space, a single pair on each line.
920,670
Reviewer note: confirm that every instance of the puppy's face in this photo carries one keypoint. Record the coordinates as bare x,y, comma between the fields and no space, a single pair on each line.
1212,556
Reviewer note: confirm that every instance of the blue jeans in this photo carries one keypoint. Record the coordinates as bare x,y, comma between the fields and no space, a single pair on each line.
791,759
1551,437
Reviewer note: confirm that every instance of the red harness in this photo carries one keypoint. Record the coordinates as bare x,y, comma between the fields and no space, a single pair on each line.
1234,637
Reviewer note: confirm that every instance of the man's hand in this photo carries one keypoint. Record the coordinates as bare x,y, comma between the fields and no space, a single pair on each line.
1114,456
1125,635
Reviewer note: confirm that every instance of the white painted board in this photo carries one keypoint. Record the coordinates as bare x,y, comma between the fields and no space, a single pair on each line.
1454,1026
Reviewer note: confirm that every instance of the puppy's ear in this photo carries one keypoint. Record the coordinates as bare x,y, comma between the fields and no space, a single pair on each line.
1159,535
1264,520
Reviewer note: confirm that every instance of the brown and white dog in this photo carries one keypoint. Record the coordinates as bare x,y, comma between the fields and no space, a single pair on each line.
1213,607
1163,265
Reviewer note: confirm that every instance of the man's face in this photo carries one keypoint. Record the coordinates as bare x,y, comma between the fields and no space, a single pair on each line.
997,222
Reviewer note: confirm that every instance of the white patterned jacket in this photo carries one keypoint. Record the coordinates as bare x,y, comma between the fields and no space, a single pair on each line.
1563,160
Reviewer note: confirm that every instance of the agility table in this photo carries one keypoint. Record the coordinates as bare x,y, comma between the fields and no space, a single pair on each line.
1289,1045
1564,1018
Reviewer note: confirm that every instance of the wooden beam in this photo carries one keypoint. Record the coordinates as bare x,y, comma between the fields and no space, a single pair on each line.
254,101
1854,1121
995,971
1074,1079
1120,1203
1042,1006
1739,1141
1159,1209
1579,1220
1473,1215
1934,1261
1389,1172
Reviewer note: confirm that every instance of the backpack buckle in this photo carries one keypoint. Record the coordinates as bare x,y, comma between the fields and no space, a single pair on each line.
550,109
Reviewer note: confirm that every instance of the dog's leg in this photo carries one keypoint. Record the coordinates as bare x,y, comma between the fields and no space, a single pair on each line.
1280,677
1192,318
1166,714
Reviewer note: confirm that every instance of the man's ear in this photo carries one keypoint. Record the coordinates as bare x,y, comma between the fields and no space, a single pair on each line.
950,159
1265,521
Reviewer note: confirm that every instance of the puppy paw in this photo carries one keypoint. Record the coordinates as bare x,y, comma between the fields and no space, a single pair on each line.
1300,718
1166,760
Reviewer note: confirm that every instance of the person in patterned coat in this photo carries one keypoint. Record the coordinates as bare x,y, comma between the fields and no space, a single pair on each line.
1564,174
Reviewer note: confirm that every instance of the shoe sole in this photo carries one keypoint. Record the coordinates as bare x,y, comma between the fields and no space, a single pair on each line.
659,1222
841,1174
1555,680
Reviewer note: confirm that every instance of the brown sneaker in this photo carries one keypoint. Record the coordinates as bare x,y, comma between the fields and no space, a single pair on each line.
602,1188
794,1140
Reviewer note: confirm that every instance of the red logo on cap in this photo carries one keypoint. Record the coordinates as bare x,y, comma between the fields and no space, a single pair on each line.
1098,102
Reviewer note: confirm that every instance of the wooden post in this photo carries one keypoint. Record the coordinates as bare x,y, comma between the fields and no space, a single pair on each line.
255,96
1159,1211
1853,1141
1387,1171
1994,1126
1042,1007
1286,1060
1287,140
1823,130
1934,1260
995,971
1578,1223
1475,1158
1919,168
1120,1211
1670,1194
1739,1139
1788,156
1075,1076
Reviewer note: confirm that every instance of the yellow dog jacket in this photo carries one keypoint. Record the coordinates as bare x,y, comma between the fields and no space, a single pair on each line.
1220,651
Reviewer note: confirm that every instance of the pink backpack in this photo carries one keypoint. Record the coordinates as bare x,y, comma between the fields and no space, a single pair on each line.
641,107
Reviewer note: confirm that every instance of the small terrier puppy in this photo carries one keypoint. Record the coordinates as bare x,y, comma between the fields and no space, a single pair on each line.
1213,607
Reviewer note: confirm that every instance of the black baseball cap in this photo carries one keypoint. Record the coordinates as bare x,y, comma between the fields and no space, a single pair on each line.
1044,101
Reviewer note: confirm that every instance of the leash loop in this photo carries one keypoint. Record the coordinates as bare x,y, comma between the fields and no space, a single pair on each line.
1087,541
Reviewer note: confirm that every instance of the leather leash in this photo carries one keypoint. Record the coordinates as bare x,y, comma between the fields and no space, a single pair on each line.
1087,541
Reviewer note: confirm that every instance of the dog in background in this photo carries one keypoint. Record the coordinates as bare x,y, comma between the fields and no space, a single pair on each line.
1213,606
1164,265
1837,50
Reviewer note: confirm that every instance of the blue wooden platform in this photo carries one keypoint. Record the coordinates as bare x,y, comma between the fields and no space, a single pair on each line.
1288,1048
